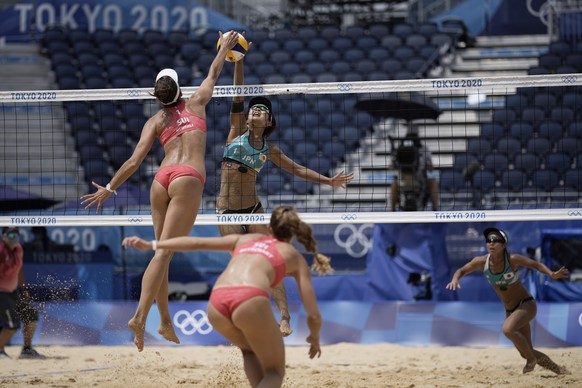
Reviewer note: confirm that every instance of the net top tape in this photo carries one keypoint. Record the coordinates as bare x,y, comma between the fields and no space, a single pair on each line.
311,218
500,83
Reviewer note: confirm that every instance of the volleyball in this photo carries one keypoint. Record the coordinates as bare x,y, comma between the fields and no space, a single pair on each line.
238,52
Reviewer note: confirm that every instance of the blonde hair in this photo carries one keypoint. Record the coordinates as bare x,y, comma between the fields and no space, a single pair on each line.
286,224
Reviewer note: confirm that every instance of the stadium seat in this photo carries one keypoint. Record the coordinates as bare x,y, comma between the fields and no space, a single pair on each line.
483,181
492,132
293,135
315,68
417,65
558,161
402,30
391,42
190,51
317,45
91,151
306,33
301,187
429,53
516,102
504,116
568,145
378,54
526,162
366,43
96,83
427,29
441,40
496,163
545,101
403,54
509,147
572,99
113,137
126,35
415,41
391,66
575,130
289,69
326,77
365,66
342,43
550,130
177,39
451,181
521,131
321,164
562,115
378,30
95,167
350,136
335,151
545,180
303,150
329,32
573,179
272,182
538,70
538,146
300,78
462,161
354,55
560,49
118,154
302,56
513,180
478,147
549,61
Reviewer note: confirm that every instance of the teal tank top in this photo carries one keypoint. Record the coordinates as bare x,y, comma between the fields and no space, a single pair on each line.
507,277
241,151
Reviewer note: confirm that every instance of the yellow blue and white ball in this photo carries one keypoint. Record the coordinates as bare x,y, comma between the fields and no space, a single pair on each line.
238,51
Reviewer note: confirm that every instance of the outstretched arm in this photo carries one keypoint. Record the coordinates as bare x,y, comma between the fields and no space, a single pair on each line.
181,244
540,267
471,266
146,140
204,92
341,179
305,286
237,110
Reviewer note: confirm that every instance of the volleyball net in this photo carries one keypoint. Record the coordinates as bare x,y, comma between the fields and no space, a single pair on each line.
503,149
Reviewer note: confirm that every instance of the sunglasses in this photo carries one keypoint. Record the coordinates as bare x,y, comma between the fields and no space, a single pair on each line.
261,107
13,235
494,240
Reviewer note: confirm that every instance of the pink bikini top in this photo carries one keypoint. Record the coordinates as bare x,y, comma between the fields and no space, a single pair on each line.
181,121
266,247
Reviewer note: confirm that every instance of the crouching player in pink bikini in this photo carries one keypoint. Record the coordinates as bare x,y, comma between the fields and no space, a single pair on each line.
239,306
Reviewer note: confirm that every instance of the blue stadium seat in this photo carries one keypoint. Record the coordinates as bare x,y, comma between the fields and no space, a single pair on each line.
573,179
558,161
87,59
320,164
417,65
504,116
317,45
340,67
150,37
350,136
404,74
462,161
550,130
429,52
283,34
191,50
307,33
562,115
451,181
496,163
326,77
483,181
88,71
335,120
79,35
402,30
378,75
391,66
300,78
77,108
335,151
91,151
391,42
272,182
404,53
366,43
378,30
95,167
521,131
269,45
330,32
320,135
568,145
538,70
572,99
513,180
293,45
83,47
492,132
302,56
103,108
301,187
441,40
96,83
516,102
284,120
85,137
109,123
560,48
309,121
526,162
293,135
415,41
575,130
365,66
478,147
303,151
378,54
279,57
509,147
118,154
163,60
545,180
538,146
65,70
342,43
574,60
289,69
549,61
265,69
354,54
427,29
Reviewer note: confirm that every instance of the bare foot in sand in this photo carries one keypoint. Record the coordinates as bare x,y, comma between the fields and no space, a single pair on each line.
529,366
547,363
166,330
138,331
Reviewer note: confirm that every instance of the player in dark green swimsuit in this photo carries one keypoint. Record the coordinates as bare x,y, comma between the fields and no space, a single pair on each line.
500,269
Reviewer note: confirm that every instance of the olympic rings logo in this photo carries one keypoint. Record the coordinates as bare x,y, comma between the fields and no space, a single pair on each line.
344,87
575,213
133,93
190,323
349,217
357,243
580,319
135,220
570,79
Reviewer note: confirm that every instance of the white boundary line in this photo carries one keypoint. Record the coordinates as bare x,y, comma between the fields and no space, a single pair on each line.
501,83
311,218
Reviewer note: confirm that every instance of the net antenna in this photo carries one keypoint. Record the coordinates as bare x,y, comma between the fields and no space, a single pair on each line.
45,170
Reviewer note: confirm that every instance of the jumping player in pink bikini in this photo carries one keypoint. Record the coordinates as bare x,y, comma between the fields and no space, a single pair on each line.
176,192
239,306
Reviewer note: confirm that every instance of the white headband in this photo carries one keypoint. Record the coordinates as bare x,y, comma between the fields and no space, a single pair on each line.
173,75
